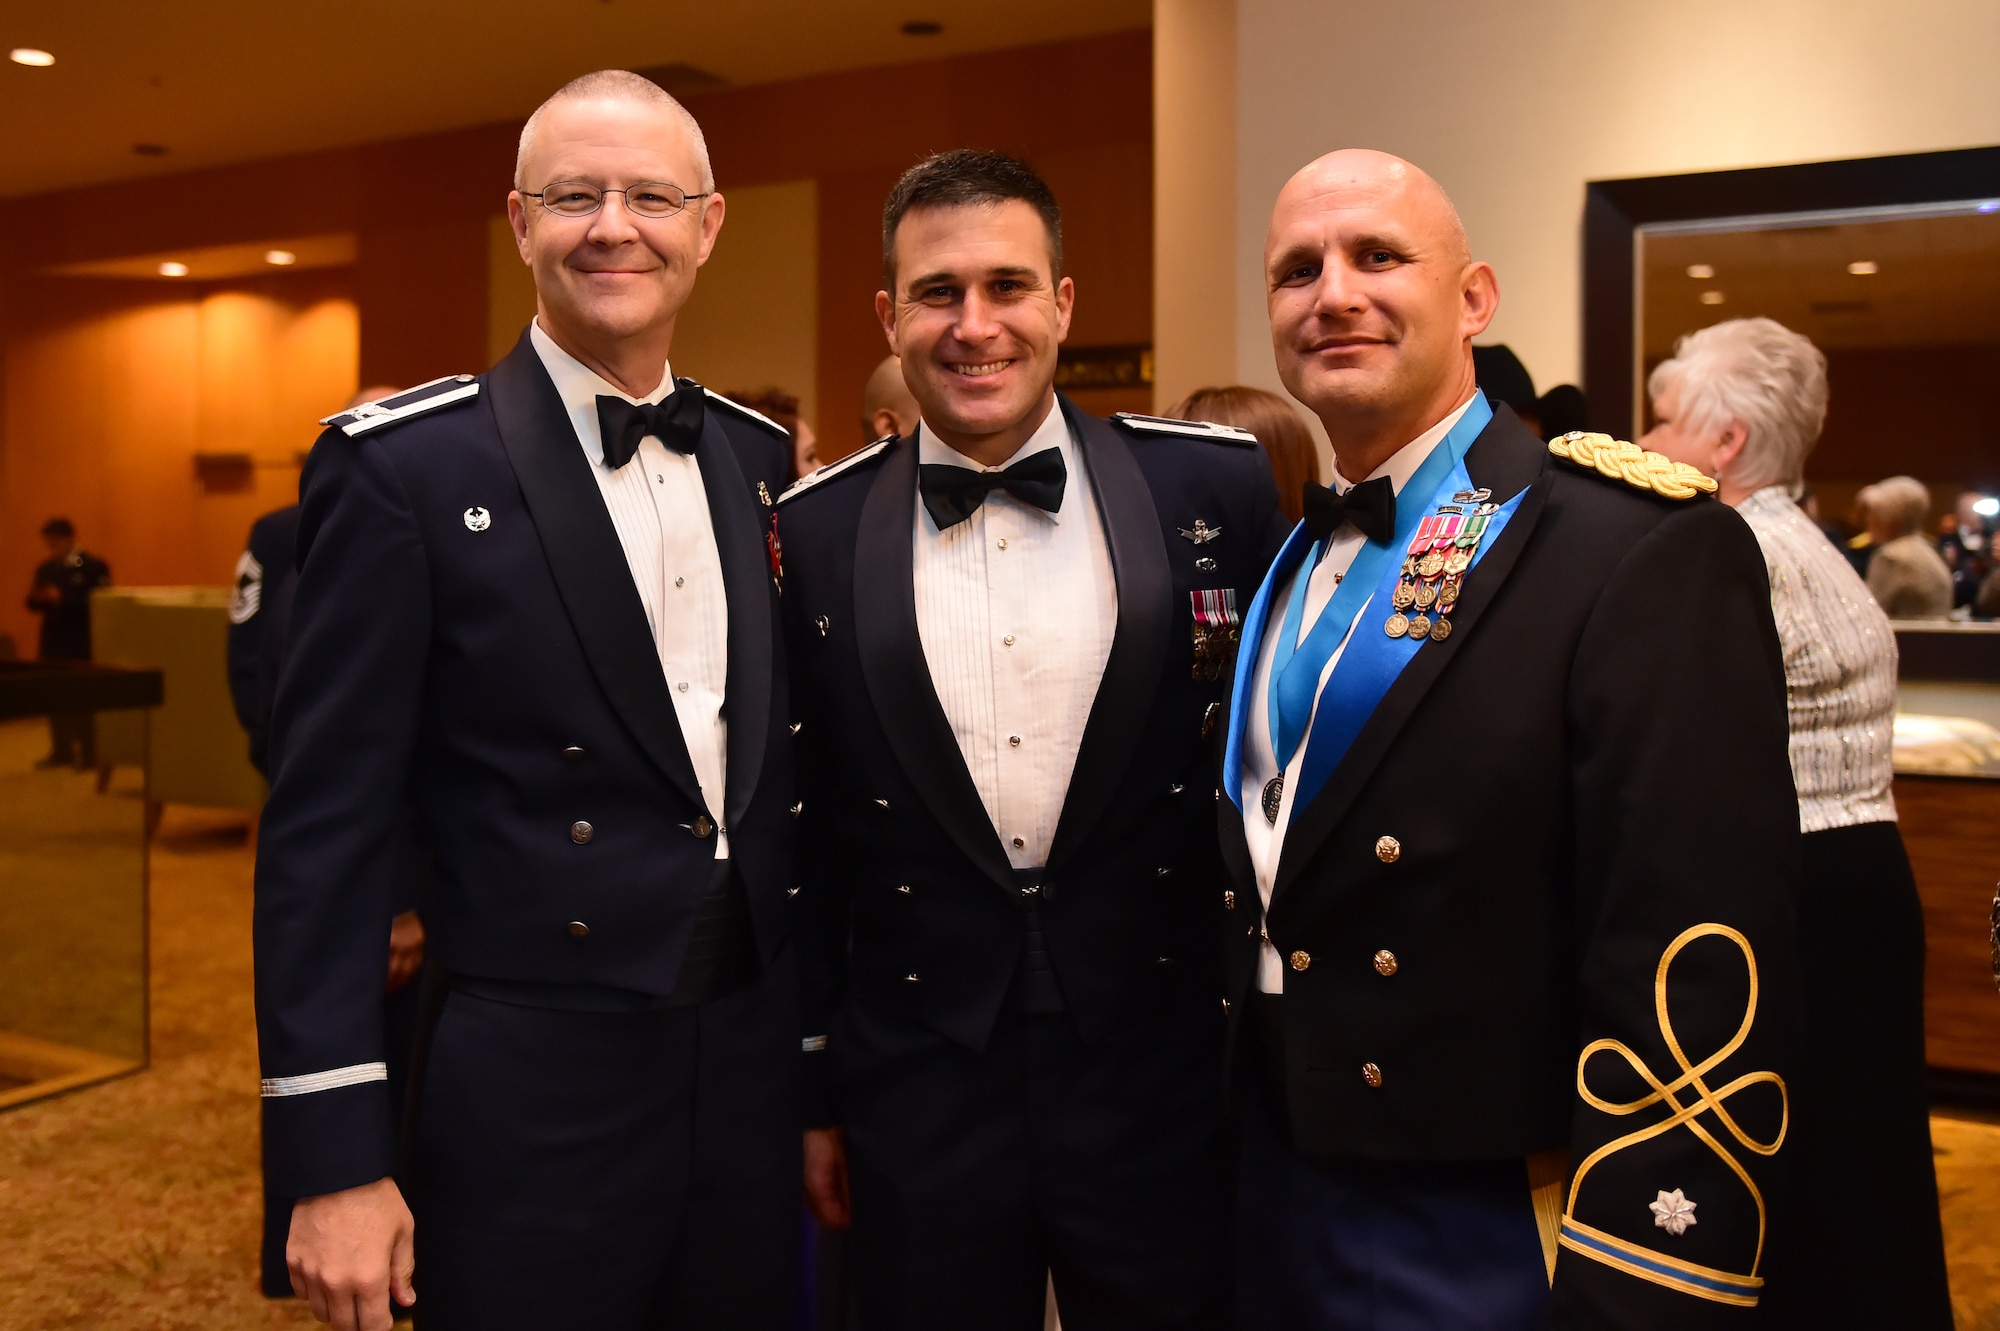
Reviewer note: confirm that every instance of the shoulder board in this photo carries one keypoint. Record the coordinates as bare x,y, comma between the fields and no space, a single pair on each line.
1640,468
732,405
401,406
1227,434
833,469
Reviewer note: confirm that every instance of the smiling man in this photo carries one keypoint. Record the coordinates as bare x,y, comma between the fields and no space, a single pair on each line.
1009,632
1508,810
538,606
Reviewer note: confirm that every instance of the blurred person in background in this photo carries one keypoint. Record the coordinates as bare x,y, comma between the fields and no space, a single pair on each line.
886,405
1278,427
1966,543
260,613
60,594
1503,378
782,410
1561,410
1906,574
1743,400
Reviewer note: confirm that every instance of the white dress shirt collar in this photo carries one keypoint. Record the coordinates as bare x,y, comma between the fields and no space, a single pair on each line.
1403,463
580,386
1051,433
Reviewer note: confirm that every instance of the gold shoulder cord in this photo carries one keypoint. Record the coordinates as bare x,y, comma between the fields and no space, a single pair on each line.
1618,460
1686,1097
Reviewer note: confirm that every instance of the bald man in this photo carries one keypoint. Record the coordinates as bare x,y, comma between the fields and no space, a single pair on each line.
538,605
1507,806
887,408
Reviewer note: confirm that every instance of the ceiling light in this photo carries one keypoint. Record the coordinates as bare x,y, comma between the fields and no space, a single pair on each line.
922,27
1711,298
280,258
1990,206
173,269
1862,268
28,55
1988,507
1701,272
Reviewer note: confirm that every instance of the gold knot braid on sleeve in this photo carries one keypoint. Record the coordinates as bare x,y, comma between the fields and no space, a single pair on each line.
1685,1101
1617,460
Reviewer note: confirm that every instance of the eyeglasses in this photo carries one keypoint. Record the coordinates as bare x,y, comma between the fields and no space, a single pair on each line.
648,198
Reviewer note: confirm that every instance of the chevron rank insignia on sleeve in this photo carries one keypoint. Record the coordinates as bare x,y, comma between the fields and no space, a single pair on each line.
1641,468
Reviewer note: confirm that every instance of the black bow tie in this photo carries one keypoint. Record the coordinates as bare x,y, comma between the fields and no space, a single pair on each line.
675,422
953,494
1370,506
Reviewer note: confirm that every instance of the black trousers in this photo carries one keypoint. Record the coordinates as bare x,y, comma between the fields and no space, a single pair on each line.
1859,1242
978,1175
611,1170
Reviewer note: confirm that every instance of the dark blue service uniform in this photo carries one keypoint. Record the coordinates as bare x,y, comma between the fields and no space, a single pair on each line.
596,1126
1027,1066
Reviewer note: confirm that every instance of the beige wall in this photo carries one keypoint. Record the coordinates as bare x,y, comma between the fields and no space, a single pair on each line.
1515,105
1194,178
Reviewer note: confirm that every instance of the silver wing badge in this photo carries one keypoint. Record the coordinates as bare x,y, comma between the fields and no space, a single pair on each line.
1202,533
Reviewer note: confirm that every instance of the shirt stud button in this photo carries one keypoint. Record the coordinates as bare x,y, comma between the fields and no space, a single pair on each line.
581,832
1014,740
1372,1075
1003,542
1301,960
578,929
1388,849
1385,962
1008,640
1019,843
682,686
680,582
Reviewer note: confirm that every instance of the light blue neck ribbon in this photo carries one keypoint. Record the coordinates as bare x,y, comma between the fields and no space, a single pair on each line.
1296,666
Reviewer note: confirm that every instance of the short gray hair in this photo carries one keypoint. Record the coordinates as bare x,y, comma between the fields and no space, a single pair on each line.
1761,373
618,85
1901,501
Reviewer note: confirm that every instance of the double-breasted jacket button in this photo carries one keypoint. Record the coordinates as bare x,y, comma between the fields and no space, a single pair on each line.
703,825
1301,960
572,753
578,929
581,832
1385,962
1388,849
1372,1075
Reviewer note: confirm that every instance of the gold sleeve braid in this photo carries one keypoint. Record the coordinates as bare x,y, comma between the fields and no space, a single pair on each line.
1618,460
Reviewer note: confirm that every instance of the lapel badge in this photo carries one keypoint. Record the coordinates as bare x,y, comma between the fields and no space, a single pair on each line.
823,624
1217,630
764,493
477,519
775,548
1201,533
1479,496
1205,564
1208,719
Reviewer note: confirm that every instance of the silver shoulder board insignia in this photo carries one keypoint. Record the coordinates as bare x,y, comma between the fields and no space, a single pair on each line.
402,406
1194,429
741,410
832,469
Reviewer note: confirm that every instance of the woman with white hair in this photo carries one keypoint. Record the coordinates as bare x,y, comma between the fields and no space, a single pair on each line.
1862,1246
1907,576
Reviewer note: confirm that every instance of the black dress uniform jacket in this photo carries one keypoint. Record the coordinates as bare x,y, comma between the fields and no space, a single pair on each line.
1590,770
900,856
466,636
65,633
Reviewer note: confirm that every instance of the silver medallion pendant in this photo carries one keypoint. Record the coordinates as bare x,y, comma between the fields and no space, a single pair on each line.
1274,795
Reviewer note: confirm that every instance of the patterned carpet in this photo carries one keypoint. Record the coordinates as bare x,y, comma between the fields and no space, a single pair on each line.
134,1205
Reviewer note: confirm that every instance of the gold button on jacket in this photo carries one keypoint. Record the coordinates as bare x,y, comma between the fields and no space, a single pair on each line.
1372,1075
1301,960
1385,962
581,832
1388,849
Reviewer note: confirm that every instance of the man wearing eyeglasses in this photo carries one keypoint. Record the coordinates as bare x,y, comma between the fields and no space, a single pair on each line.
539,605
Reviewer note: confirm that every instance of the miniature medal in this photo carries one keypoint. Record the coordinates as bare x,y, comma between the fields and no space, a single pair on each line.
1420,627
1398,624
1274,797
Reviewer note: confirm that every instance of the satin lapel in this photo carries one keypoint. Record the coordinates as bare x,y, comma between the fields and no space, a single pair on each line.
746,582
1505,458
1139,647
899,678
586,558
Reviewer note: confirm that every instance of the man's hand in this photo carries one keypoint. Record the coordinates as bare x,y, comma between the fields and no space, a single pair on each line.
826,1178
350,1252
406,949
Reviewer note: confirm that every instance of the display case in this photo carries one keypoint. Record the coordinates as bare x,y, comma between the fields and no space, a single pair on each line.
73,967
1947,751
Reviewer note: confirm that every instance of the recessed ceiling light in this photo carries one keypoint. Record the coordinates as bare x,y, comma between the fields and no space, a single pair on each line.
1711,298
1701,272
1988,507
172,268
28,55
1862,267
922,27
281,258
